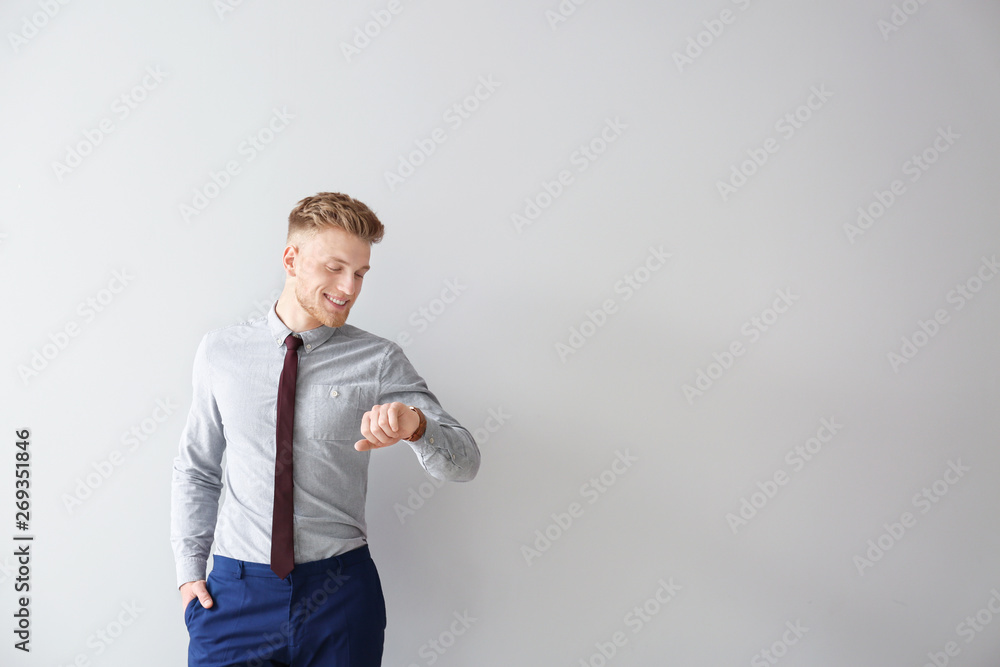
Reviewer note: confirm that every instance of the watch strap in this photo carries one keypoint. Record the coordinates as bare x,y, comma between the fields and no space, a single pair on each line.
421,427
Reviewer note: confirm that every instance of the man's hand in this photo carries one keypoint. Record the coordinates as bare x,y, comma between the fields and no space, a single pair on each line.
386,425
195,589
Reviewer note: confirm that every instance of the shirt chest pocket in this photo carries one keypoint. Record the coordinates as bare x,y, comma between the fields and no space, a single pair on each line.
335,412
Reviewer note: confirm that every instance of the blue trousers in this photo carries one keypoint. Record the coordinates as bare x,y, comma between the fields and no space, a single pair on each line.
328,613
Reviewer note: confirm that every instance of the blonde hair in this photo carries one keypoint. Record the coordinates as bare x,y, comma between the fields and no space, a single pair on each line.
333,209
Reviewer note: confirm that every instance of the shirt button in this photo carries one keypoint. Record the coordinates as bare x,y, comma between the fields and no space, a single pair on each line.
333,393
309,347
432,439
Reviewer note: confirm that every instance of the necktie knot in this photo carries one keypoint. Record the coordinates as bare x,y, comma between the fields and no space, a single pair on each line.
292,342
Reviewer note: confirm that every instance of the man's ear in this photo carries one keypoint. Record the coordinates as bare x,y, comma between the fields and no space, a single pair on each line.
288,259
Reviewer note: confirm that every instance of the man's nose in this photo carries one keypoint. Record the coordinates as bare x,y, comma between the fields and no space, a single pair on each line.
346,286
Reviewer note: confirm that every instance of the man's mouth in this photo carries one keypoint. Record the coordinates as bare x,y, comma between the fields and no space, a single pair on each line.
340,303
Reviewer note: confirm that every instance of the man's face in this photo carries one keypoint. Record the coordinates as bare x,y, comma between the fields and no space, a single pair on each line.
329,268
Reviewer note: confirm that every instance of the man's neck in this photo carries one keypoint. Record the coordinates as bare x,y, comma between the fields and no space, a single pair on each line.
291,313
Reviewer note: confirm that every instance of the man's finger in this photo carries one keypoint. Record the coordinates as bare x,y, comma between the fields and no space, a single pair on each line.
366,430
380,426
384,420
202,592
365,445
196,590
393,418
379,420
376,425
205,599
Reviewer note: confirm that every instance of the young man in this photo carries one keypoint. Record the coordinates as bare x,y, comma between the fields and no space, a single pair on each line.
286,397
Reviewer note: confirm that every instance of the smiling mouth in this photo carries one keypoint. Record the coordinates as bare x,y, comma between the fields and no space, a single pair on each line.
337,302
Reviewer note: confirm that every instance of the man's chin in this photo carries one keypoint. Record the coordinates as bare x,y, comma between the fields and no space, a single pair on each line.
335,320
325,317
332,320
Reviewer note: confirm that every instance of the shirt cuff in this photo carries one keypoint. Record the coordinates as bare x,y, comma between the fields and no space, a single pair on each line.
444,456
190,569
431,439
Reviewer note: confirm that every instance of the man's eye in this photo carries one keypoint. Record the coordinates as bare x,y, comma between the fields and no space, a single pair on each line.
360,275
330,268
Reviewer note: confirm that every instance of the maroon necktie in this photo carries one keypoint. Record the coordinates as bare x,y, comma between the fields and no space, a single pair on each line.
282,543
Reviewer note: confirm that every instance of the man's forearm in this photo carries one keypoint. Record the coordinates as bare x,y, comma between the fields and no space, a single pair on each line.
194,509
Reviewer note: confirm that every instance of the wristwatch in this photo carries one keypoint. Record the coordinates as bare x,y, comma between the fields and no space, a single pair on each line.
421,427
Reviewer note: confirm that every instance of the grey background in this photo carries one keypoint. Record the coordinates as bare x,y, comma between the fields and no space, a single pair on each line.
494,348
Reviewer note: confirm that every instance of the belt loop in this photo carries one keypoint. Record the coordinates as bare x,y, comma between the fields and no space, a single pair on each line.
239,569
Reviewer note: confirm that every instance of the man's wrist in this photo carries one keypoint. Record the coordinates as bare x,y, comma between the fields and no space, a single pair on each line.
421,426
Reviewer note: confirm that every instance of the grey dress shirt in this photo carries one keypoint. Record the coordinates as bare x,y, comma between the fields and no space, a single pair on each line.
342,373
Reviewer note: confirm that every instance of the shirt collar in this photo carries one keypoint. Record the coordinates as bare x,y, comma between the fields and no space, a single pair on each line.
311,339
